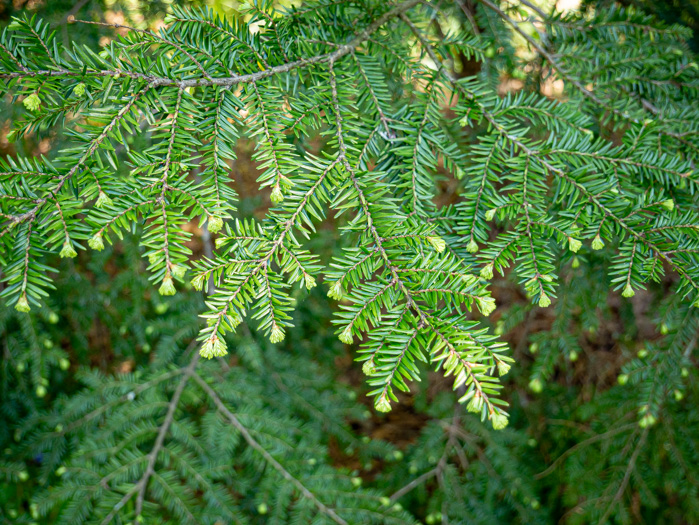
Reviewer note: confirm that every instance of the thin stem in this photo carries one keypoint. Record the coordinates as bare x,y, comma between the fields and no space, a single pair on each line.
164,428
247,436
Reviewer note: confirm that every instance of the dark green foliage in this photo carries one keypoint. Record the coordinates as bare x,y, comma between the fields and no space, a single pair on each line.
399,189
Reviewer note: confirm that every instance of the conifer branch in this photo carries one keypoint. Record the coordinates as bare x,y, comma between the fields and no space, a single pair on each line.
164,428
627,475
250,440
30,215
234,80
466,366
550,167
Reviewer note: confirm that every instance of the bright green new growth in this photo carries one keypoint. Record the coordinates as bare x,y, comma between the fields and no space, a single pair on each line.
372,82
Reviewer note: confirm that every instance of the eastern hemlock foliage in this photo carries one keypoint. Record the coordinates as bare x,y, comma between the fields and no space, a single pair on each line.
411,204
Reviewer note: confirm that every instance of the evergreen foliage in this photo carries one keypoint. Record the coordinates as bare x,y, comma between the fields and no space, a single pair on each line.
358,117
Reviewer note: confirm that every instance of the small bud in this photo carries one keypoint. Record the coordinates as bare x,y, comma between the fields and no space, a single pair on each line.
573,356
642,354
60,471
499,328
536,386
178,271
574,244
668,204
96,242
167,287
213,347
533,348
628,291
103,200
63,363
79,90
678,395
53,318
487,272
24,475
597,243
383,404
490,214
544,300
215,223
664,329
336,292
234,320
384,501
647,421
277,335
346,335
437,243
575,263
220,242
277,195
169,19
684,372
68,250
32,102
486,305
198,282
368,368
468,279
475,404
472,247
22,304
356,482
309,281
499,421
262,508
503,368
40,391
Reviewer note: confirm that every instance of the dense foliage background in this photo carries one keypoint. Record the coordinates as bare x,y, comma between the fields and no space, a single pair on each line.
103,383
